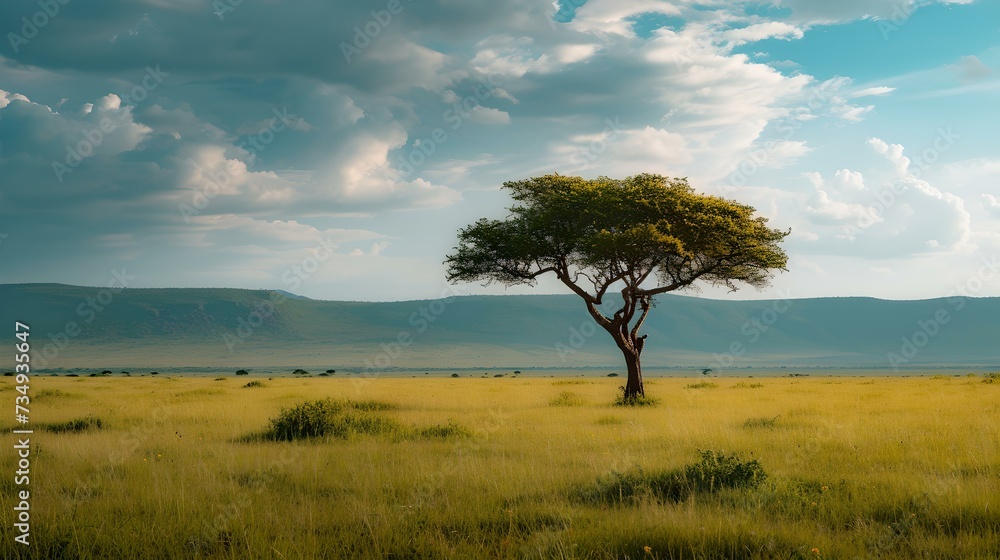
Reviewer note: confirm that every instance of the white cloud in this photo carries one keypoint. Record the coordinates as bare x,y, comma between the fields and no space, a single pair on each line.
878,90
489,115
761,31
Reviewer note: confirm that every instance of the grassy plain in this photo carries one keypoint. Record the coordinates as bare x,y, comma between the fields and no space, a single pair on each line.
857,468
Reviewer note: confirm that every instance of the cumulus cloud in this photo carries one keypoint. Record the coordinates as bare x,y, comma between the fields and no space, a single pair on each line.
900,215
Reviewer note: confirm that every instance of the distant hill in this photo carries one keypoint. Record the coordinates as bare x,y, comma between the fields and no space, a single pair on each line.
74,326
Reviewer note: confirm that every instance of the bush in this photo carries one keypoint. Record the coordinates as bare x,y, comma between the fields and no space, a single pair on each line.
717,470
300,372
242,372
331,371
327,417
991,378
612,375
220,378
75,426
8,374
454,375
254,384
498,375
106,372
714,472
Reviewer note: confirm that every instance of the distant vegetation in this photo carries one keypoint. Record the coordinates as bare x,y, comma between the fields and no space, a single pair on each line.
74,426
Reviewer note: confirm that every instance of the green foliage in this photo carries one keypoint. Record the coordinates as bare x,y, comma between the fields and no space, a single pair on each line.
254,384
644,222
991,378
220,378
454,375
75,426
715,471
327,417
242,372
300,372
612,375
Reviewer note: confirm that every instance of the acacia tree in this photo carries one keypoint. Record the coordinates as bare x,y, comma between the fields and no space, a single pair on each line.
644,235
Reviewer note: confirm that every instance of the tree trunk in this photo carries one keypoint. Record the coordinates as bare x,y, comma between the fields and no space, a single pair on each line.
633,387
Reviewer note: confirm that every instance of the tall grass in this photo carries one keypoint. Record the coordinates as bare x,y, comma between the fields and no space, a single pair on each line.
894,469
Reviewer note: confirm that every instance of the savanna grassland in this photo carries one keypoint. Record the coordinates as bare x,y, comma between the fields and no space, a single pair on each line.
188,467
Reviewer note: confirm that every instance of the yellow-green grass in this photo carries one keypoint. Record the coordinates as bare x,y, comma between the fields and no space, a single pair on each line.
858,468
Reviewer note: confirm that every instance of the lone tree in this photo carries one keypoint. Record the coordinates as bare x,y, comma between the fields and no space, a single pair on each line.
645,235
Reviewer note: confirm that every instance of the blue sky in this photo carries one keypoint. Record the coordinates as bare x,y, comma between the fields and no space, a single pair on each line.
197,144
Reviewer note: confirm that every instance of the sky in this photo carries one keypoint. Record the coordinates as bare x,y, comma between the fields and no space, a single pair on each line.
333,149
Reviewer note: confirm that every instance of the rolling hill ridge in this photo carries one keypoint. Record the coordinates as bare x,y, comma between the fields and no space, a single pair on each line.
76,326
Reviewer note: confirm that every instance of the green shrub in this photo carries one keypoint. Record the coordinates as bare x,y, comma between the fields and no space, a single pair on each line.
220,378
300,372
454,375
991,378
331,371
75,426
612,375
242,372
742,385
327,417
714,472
253,384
